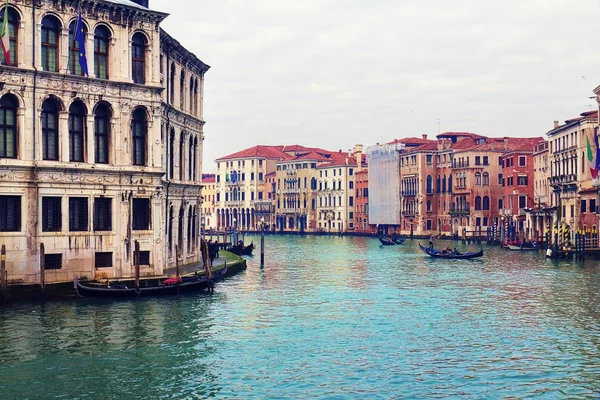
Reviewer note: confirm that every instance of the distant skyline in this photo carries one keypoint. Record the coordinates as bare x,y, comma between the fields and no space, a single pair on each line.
332,74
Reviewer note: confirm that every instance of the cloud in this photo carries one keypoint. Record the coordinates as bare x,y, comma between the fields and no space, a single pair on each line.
334,73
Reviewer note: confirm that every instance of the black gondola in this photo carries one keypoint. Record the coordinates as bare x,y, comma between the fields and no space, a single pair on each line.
450,254
188,285
391,240
241,250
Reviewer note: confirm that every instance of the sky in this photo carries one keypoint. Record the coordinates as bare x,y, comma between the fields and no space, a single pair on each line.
332,73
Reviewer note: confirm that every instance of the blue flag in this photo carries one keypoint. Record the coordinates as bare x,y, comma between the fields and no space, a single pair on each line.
80,39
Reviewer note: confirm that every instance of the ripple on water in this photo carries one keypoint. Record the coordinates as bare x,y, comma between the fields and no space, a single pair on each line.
327,317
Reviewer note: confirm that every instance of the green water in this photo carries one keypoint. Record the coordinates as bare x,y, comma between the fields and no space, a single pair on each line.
326,318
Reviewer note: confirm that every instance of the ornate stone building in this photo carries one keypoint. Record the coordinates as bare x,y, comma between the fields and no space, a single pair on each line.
83,158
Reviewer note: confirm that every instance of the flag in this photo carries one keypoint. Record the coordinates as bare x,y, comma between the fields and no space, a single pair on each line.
80,39
597,150
5,36
591,159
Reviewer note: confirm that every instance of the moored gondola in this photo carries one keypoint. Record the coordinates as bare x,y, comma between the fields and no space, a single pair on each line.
168,287
450,254
522,247
241,250
391,240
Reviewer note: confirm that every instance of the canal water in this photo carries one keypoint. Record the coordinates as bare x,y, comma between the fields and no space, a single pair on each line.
327,317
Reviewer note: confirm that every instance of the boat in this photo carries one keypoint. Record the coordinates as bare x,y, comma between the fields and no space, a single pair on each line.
391,240
241,250
192,284
522,247
460,256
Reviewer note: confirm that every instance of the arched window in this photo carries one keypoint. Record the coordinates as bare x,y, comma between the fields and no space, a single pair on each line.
172,84
77,113
101,133
182,91
101,41
477,203
428,205
486,179
49,130
190,158
305,182
477,178
138,58
437,185
194,175
450,183
170,230
139,132
50,43
429,184
74,67
444,184
196,97
180,232
189,230
8,126
172,154
486,203
181,154
192,95
12,25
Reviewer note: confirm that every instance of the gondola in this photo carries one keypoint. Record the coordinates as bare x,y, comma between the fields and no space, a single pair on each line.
241,250
522,247
191,284
459,256
391,240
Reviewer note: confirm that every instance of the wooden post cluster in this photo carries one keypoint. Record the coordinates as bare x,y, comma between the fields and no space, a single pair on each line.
43,270
136,263
3,273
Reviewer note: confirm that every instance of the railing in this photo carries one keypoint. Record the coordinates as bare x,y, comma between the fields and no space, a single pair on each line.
409,213
459,209
562,179
234,203
460,164
291,191
236,183
408,193
564,150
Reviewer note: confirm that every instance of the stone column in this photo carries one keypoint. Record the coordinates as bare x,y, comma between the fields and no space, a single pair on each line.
21,51
89,54
37,46
63,136
89,139
63,49
24,140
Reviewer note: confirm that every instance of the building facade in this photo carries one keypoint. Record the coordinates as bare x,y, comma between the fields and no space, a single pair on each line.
209,194
82,158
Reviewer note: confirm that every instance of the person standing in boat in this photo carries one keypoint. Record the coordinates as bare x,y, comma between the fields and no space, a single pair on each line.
431,239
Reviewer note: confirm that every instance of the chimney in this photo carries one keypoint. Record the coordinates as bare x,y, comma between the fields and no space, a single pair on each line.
555,124
358,148
493,145
424,136
505,144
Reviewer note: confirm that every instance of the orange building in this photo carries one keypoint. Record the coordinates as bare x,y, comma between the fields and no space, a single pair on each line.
362,203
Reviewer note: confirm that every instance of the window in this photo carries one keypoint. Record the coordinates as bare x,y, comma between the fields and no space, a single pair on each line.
101,133
428,205
477,160
500,163
522,201
171,150
500,204
141,214
190,159
429,225
477,203
102,214
485,179
583,206
49,130
350,215
8,126
50,44
195,159
101,40
350,171
12,25
500,180
74,67
76,132
78,214
351,185
428,158
522,161
522,180
486,203
103,260
52,261
51,214
477,178
182,90
138,58
429,184
10,213
139,132
593,206
485,160
350,201
145,257
172,84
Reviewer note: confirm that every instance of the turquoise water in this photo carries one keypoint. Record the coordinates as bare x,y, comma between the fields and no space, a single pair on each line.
326,318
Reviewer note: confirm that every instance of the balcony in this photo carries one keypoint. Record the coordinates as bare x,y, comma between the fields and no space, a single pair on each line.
232,184
290,210
409,213
234,203
460,209
409,193
460,164
292,191
563,182
566,150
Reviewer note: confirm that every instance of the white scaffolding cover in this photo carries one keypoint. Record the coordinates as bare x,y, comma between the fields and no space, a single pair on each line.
384,184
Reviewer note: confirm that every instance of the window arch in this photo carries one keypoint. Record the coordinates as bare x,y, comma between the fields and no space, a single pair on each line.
50,43
190,228
172,154
477,178
196,96
50,130
74,67
101,40
8,126
138,58
190,158
477,203
139,133
180,232
192,95
172,84
102,117
194,175
485,179
444,184
77,116
170,230
486,203
429,184
12,25
450,183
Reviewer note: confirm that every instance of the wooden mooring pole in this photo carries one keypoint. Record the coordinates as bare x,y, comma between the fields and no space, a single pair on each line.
3,273
177,267
43,270
136,264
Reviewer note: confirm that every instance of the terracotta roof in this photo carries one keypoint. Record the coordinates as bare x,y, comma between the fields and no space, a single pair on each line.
449,135
208,178
312,156
464,144
412,141
260,151
584,116
342,162
270,174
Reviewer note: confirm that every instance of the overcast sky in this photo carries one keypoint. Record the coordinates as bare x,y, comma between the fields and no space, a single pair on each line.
333,73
